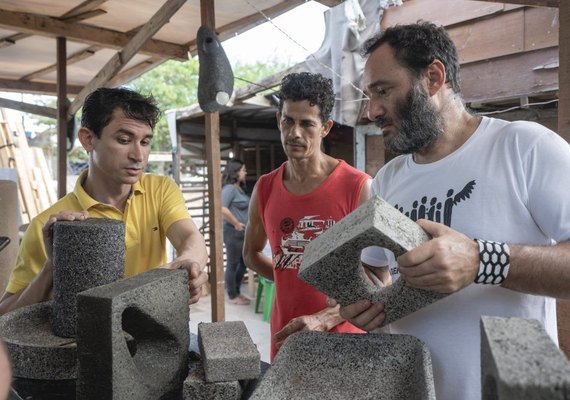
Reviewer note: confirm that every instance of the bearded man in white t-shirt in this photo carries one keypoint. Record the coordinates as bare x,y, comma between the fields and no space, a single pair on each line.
477,185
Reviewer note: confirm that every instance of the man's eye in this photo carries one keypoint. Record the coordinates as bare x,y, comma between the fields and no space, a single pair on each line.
122,140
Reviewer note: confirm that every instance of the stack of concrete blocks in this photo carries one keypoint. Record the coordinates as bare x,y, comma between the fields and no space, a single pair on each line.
228,357
520,361
86,254
152,308
331,262
334,366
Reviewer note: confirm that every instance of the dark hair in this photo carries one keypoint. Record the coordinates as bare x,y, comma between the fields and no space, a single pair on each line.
315,88
230,174
417,45
99,107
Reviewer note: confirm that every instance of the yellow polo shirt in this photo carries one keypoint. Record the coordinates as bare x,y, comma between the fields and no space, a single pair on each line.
156,203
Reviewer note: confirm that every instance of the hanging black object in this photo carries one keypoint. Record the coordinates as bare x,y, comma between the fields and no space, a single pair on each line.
216,78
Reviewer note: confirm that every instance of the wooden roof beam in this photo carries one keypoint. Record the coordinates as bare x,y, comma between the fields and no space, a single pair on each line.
10,85
80,55
84,7
28,108
133,72
55,27
533,3
120,59
229,30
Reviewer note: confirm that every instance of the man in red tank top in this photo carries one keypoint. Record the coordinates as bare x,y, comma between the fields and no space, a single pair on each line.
298,201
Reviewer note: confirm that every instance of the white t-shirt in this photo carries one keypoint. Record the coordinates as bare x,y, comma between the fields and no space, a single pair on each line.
509,183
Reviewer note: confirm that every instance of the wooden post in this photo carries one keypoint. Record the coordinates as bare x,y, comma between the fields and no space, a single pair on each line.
563,306
61,117
212,126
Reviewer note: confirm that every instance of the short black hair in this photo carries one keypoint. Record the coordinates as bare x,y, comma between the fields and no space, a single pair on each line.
100,104
230,174
314,88
417,45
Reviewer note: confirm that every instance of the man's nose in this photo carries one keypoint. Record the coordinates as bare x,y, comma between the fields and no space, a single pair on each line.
375,110
136,152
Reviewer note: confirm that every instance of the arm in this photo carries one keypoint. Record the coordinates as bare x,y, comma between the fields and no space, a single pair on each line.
40,287
231,218
191,254
254,242
450,261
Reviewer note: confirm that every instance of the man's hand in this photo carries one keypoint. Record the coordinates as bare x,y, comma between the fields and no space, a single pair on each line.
445,264
196,276
362,314
47,229
303,323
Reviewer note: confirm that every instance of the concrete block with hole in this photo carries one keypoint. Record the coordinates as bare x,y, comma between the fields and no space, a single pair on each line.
331,262
520,361
152,308
339,366
196,387
228,353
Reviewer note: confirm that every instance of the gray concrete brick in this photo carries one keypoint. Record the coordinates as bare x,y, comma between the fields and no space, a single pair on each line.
334,366
228,353
331,262
151,307
35,351
86,254
196,387
520,361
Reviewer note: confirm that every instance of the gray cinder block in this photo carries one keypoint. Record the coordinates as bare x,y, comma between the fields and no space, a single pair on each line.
520,361
331,262
325,365
35,352
152,308
228,353
86,254
196,387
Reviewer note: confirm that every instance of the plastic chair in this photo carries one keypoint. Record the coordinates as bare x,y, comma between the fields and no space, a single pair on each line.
265,288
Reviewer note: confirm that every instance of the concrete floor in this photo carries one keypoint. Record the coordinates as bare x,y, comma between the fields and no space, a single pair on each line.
258,329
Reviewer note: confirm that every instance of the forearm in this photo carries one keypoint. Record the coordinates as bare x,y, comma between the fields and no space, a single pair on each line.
540,270
256,261
193,248
229,216
330,317
38,290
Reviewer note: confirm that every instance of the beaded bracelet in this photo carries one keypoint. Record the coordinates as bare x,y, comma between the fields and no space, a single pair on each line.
494,262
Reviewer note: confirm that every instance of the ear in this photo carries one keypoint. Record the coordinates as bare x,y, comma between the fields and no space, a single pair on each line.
327,128
435,73
86,137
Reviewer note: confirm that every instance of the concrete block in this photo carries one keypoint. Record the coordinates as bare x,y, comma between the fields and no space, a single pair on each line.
86,254
152,308
35,351
228,353
331,262
520,361
196,387
324,365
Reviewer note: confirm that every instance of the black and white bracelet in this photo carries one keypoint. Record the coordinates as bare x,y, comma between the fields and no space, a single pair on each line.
494,262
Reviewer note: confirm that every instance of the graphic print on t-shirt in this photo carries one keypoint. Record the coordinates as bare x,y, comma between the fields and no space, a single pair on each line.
436,210
294,239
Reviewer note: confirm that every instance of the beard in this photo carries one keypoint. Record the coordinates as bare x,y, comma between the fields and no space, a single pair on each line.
420,123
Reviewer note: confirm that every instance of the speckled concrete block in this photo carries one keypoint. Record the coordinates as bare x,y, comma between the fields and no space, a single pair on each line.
324,365
35,352
196,387
331,262
228,353
520,361
86,254
151,307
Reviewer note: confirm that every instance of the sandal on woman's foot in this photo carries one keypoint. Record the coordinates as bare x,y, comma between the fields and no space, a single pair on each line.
239,301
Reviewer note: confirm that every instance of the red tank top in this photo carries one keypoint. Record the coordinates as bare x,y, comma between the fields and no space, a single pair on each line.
292,221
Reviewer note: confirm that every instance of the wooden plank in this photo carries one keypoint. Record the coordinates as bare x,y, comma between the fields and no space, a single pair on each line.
82,8
55,27
534,3
48,182
512,76
28,108
29,204
564,77
120,59
442,12
541,26
133,72
11,85
62,119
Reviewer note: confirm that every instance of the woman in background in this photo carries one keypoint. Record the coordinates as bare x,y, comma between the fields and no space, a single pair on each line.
235,205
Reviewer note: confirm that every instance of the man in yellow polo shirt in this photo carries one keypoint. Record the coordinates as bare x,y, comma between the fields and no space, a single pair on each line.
116,131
